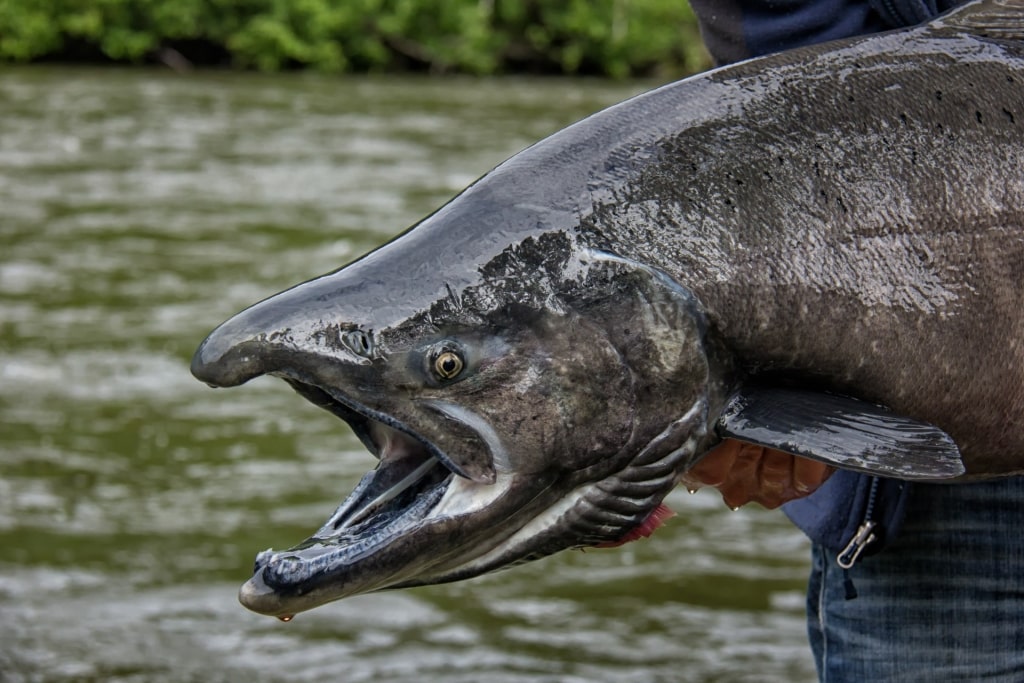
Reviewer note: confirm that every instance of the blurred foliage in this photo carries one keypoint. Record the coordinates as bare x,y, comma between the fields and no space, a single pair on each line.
609,37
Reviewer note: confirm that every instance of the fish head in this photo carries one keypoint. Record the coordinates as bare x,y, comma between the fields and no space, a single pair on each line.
547,400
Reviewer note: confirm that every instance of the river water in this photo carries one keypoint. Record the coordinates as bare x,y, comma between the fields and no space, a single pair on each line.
140,208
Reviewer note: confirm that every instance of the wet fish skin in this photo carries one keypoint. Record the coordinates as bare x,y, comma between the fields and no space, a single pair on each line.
846,218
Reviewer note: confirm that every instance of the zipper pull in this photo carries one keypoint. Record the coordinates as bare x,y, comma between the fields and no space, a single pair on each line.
855,547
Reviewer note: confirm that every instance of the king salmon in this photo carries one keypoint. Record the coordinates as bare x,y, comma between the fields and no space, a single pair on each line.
820,251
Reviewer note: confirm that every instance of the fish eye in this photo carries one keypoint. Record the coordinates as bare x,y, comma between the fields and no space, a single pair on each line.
448,364
446,360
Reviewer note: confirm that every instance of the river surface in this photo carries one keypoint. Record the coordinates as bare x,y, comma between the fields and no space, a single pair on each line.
138,209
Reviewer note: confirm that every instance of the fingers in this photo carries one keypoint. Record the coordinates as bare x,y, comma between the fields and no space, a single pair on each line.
714,468
744,472
808,475
774,481
742,484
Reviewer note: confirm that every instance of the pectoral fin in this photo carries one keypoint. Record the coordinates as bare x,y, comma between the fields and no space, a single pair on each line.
841,431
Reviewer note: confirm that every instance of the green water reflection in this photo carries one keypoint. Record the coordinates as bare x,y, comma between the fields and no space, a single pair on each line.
139,209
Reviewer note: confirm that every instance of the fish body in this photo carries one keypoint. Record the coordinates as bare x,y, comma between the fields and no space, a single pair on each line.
821,251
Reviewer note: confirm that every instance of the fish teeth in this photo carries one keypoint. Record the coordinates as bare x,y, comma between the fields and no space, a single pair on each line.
391,493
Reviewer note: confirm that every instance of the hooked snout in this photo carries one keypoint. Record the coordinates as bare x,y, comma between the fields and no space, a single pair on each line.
335,316
291,333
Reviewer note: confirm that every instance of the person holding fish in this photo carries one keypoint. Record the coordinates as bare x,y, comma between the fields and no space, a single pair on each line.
818,252
909,582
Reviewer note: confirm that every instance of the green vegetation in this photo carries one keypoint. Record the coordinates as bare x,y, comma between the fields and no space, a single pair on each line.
610,37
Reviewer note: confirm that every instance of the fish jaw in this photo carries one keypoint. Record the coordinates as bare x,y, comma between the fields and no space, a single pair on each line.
397,525
403,546
412,522
459,529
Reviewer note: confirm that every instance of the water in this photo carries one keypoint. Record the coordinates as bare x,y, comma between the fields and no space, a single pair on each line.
138,209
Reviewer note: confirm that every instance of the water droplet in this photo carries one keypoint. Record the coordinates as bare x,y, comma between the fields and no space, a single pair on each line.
691,490
734,508
286,617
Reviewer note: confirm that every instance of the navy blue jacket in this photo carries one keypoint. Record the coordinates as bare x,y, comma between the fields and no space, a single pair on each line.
740,29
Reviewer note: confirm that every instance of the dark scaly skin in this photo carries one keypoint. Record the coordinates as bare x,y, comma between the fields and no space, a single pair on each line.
866,233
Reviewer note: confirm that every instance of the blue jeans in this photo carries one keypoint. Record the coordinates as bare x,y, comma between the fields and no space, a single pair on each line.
943,602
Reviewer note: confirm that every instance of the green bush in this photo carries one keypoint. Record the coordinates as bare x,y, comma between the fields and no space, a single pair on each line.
610,37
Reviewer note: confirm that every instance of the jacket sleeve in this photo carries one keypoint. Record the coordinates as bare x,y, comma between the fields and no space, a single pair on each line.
739,29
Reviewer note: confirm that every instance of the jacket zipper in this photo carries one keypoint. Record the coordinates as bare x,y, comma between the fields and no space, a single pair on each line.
865,532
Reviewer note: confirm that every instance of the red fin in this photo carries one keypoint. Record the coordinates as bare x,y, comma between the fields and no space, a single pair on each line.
659,516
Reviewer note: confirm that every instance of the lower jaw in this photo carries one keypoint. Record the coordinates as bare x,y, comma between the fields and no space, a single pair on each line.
283,579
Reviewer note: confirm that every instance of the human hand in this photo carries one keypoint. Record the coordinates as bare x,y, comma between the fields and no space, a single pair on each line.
744,472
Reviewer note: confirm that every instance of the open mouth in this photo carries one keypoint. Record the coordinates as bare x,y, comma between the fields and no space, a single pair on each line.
418,519
409,465
409,481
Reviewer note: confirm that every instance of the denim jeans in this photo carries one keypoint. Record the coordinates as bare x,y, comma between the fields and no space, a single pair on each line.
943,602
